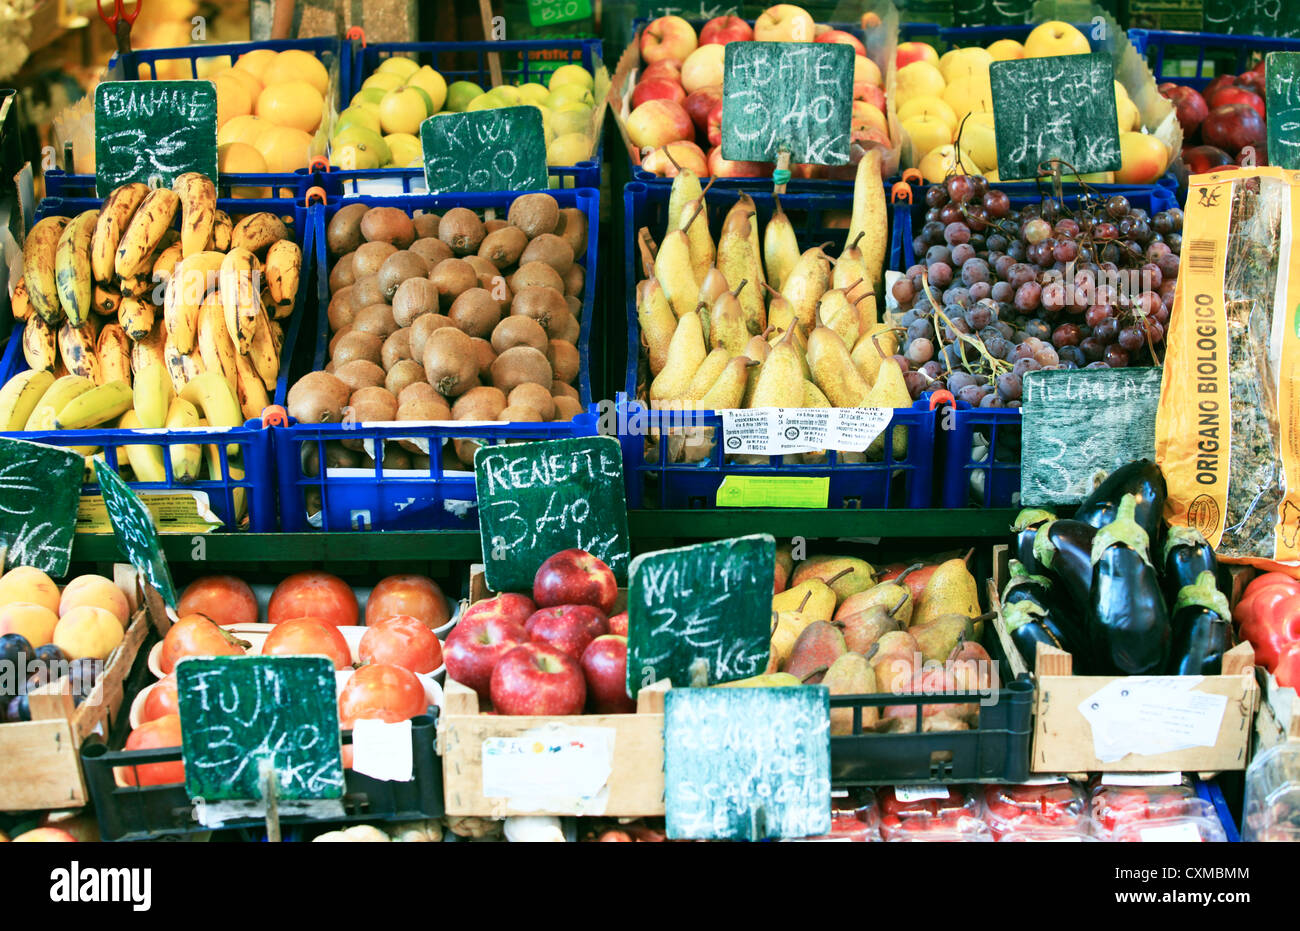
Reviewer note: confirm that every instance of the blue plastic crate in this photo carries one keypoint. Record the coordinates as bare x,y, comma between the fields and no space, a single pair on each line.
281,186
435,498
1157,46
1210,792
653,480
254,442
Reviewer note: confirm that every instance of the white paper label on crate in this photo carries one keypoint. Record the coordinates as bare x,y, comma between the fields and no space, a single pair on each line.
1175,833
554,767
382,751
1150,716
1045,781
1141,779
919,793
777,431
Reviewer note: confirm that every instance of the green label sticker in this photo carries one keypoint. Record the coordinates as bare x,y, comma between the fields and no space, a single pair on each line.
774,491
151,131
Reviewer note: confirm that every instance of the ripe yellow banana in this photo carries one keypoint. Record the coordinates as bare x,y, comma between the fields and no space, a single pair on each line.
221,230
198,210
145,461
215,344
239,297
116,214
77,350
181,366
253,398
19,397
136,317
165,263
98,405
152,394
114,351
38,268
19,302
283,267
262,352
193,279
187,458
56,396
72,267
145,231
105,300
40,344
257,231
234,471
215,397
135,286
277,339
148,351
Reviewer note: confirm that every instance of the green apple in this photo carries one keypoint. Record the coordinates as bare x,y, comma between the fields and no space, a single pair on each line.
368,97
460,93
568,149
358,116
359,136
402,67
483,102
569,93
571,74
571,121
429,108
533,93
509,96
403,110
433,84
385,82
405,149
355,156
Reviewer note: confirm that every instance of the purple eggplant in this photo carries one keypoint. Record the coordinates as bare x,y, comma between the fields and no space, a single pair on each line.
1128,624
1201,629
1023,532
1187,554
1141,479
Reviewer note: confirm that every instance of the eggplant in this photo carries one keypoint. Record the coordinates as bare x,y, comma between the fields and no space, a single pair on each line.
1022,586
1029,624
1187,554
1064,548
1141,479
1201,629
1023,532
1128,623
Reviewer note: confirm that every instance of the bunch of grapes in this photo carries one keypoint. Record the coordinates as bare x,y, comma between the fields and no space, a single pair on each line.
1043,288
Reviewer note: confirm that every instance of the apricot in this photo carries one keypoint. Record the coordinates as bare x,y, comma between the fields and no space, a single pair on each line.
88,632
23,583
97,592
35,622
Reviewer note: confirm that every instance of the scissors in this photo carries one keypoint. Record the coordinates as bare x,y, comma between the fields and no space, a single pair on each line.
120,22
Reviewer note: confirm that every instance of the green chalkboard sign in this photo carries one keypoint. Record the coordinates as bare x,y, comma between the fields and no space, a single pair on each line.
688,9
40,487
484,150
991,12
237,711
747,764
554,12
710,603
535,499
146,130
135,531
1081,422
1060,107
1252,18
794,97
1282,80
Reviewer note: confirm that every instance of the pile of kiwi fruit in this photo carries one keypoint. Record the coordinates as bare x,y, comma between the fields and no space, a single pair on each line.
448,317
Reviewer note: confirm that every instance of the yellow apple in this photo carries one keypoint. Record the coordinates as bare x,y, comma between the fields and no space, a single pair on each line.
964,61
784,22
568,149
383,80
404,149
930,107
969,94
358,116
460,93
355,157
402,67
939,163
978,139
483,102
919,79
402,111
867,114
1056,38
506,94
569,93
571,121
533,93
361,137
1143,159
571,74
928,133
866,71
433,84
1129,117
1006,50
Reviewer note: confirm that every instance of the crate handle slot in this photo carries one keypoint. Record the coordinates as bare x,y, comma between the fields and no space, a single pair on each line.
943,396
314,195
354,33
318,163
275,416
900,191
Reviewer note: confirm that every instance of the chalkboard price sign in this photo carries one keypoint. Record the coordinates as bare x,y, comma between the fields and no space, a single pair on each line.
1282,80
1078,423
535,499
1061,107
794,97
134,528
700,609
1252,18
40,487
687,9
484,150
554,12
153,129
747,764
238,711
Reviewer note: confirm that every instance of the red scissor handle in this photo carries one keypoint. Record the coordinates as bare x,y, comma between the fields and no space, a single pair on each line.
119,12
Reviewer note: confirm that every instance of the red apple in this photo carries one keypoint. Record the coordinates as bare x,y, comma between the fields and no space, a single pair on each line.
1233,127
1189,106
720,167
569,628
507,606
909,52
575,577
700,103
618,624
476,645
1202,158
684,156
1223,80
703,68
659,122
869,93
714,128
1234,94
668,38
843,38
672,70
538,679
723,29
658,89
604,663
1253,81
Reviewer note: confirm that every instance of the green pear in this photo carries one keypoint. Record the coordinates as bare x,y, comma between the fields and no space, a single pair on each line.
764,681
846,575
939,637
851,674
951,589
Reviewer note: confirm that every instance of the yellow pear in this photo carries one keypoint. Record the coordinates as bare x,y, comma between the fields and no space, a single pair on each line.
805,284
695,223
728,392
713,286
834,310
707,374
657,321
738,261
832,369
686,353
849,272
780,379
745,203
780,314
780,247
676,273
866,355
846,575
813,599
758,350
851,674
951,589
727,327
686,188
889,391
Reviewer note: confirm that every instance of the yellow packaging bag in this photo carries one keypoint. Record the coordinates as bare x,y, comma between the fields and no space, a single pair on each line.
1228,424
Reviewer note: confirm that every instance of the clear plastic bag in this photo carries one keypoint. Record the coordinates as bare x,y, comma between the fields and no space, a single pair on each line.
1035,808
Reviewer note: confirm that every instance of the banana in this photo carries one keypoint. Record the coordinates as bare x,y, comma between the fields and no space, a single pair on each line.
215,344
181,366
114,351
187,458
234,471
262,351
19,397
194,278
117,211
135,286
72,267
149,351
277,337
40,344
250,390
198,210
152,394
136,317
283,266
257,231
221,230
58,394
215,397
98,405
19,302
105,300
148,224
165,263
146,461
38,268
239,297
77,349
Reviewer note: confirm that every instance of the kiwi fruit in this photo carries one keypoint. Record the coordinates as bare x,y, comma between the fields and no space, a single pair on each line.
520,365
370,257
518,331
452,277
535,275
343,234
378,400
475,312
367,291
337,456
395,457
564,360
360,373
535,397
396,348
461,229
561,390
570,331
535,214
414,297
376,319
516,414
357,345
405,372
481,403
575,305
342,308
486,356
491,226
388,224
574,279
504,246
318,397
554,250
545,305
426,225
432,408
483,268
334,340
417,391
341,275
420,330
566,409
431,249
449,360
397,268
573,227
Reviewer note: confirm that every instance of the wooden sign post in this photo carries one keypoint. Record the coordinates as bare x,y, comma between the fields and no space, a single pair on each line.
153,131
1282,82
136,535
484,150
40,487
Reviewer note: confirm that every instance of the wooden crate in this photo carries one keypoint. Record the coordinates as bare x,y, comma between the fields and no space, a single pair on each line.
40,762
634,787
1063,738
